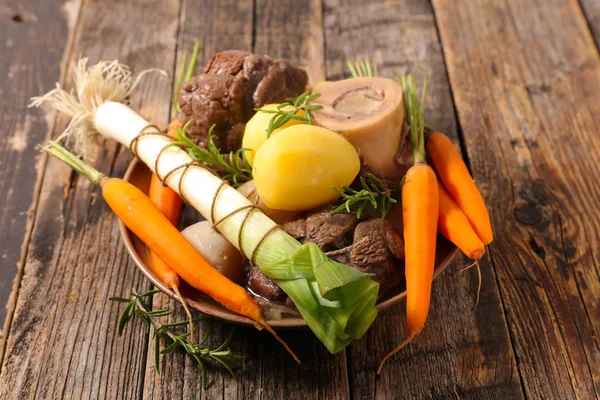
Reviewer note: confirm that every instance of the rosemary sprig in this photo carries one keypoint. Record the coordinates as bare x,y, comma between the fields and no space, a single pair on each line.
173,339
232,167
300,103
373,192
363,68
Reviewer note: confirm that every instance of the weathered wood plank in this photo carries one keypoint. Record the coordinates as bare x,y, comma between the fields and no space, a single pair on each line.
268,372
591,10
460,353
62,343
34,37
525,82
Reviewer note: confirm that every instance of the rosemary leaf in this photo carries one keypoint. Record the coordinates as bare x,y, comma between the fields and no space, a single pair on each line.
300,103
372,192
232,167
174,340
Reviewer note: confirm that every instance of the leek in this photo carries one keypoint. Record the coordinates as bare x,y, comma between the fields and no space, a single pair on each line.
336,301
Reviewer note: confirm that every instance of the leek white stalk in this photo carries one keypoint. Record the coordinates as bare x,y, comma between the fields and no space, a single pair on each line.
337,301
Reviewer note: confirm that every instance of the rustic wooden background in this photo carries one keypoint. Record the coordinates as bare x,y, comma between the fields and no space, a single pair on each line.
515,82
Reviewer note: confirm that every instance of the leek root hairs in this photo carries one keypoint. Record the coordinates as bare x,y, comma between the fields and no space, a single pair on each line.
187,311
397,349
94,86
476,265
268,328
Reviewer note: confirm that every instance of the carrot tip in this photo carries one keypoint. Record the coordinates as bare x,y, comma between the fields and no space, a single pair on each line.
187,311
268,328
397,349
476,265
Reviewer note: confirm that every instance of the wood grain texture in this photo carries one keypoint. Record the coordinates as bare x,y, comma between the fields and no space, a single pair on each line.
591,10
31,47
460,353
525,81
62,343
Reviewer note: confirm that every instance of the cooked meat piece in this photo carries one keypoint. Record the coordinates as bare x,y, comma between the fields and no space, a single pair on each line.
228,62
281,81
376,249
234,83
325,229
372,246
375,240
296,228
322,228
212,99
264,286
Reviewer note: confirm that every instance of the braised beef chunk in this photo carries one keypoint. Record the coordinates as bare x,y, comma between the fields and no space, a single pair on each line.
320,227
371,246
264,286
296,228
234,83
374,241
376,249
325,229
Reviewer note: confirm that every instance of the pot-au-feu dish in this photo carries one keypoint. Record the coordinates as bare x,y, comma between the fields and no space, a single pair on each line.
315,201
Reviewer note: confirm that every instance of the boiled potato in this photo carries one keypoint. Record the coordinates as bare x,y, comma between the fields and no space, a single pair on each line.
296,169
255,133
216,250
248,189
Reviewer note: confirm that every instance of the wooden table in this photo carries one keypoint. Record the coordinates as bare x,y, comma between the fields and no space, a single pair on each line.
516,83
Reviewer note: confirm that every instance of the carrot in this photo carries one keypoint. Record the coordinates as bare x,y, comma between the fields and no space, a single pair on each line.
420,210
454,225
460,185
148,223
420,205
169,203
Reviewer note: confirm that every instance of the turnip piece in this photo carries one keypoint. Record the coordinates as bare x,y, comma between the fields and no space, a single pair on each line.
216,250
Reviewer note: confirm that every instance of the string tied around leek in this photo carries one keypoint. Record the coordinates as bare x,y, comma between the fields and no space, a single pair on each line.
336,301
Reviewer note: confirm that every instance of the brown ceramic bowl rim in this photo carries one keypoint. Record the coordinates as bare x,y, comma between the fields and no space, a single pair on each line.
219,312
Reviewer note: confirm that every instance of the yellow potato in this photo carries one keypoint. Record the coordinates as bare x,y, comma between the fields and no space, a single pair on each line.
255,133
296,169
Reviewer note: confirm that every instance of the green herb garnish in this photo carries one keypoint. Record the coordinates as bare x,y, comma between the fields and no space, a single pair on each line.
184,76
299,103
174,340
373,192
363,68
232,167
415,112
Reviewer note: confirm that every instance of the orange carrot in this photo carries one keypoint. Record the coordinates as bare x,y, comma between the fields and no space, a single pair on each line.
460,185
169,203
420,207
420,211
148,223
455,226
